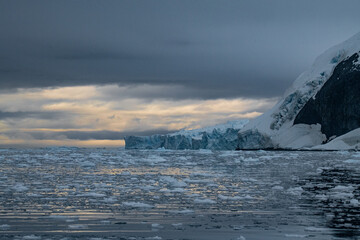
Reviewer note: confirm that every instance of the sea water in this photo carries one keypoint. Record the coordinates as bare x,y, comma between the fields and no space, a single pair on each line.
78,193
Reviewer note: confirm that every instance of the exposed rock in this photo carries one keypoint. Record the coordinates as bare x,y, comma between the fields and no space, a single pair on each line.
337,105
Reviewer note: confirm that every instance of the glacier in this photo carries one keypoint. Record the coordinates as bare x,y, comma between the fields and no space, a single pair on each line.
218,137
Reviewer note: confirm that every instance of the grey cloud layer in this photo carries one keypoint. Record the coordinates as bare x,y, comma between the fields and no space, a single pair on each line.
80,135
212,49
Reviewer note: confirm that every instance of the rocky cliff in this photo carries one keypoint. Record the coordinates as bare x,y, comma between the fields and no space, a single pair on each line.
336,107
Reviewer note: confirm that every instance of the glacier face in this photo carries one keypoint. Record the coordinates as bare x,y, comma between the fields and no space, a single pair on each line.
276,128
219,137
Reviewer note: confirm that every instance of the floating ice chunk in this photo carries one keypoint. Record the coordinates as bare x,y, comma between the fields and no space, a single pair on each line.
78,226
87,164
175,190
137,205
4,227
250,159
296,236
153,238
197,180
277,188
229,154
341,192
178,226
229,198
91,194
341,188
156,226
110,199
357,161
154,159
105,222
205,151
296,191
19,187
315,229
184,211
204,201
321,197
31,237
58,217
267,157
354,202
172,181
241,238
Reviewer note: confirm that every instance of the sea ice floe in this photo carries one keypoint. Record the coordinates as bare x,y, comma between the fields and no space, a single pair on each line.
137,205
204,201
4,227
296,191
278,188
172,181
78,226
19,187
296,236
31,237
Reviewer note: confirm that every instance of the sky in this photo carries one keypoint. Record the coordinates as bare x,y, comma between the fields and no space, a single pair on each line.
87,73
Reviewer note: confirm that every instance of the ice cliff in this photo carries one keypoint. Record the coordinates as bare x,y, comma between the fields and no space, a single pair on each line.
218,137
322,105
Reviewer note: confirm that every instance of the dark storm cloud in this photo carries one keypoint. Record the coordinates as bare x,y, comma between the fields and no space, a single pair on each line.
35,115
82,135
211,49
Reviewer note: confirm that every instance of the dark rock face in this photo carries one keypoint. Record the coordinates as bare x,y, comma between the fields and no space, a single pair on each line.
337,105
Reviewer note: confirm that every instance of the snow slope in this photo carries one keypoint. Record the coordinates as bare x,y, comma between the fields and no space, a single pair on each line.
276,125
348,141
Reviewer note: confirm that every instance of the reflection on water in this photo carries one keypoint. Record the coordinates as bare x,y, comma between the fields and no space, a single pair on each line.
69,193
334,192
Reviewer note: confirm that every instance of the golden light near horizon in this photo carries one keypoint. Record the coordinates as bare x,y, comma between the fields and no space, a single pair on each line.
45,115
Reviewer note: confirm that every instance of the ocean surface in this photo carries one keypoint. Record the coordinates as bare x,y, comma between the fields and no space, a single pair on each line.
75,193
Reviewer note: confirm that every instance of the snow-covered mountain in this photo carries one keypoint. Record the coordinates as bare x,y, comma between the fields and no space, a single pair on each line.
322,105
218,137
